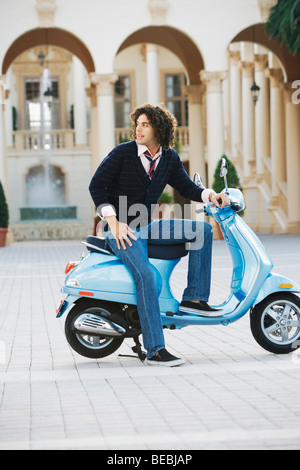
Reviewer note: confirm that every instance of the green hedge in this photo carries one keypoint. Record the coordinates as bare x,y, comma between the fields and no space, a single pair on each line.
4,213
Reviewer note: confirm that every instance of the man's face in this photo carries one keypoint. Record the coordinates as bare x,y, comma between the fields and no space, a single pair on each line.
145,132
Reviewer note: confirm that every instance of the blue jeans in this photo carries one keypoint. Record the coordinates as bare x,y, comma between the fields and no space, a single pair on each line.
164,232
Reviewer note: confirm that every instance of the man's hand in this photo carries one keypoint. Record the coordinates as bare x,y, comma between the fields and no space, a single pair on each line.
219,200
120,231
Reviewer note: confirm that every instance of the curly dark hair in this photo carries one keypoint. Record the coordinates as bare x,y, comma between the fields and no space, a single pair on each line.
162,121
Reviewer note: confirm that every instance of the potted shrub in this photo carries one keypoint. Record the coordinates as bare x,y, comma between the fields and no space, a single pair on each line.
165,198
4,216
233,181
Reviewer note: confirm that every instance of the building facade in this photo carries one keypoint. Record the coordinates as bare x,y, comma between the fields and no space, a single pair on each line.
72,71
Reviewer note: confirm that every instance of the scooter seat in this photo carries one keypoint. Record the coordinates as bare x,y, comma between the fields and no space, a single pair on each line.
178,250
169,252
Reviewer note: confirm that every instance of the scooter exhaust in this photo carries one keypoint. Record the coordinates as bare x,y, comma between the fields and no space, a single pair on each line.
97,326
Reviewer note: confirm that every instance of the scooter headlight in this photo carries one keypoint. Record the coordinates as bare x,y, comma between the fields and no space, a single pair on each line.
236,197
73,282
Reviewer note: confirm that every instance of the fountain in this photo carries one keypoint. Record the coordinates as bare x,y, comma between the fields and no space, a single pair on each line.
45,182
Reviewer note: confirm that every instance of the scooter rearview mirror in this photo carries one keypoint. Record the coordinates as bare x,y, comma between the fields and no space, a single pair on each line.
198,180
223,173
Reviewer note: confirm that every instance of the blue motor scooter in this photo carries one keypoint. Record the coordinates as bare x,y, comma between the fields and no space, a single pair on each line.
101,296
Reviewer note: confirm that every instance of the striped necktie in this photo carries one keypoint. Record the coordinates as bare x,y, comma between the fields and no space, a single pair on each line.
152,163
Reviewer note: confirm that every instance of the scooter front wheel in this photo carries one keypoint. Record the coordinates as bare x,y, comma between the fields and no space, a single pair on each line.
87,344
275,323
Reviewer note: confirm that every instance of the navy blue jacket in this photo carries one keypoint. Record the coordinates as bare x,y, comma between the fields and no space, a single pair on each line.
122,173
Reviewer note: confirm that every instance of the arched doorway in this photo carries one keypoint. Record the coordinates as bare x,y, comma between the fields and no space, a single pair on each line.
48,135
49,36
256,33
174,40
168,65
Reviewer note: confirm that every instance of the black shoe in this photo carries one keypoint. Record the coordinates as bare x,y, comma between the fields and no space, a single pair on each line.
200,308
164,358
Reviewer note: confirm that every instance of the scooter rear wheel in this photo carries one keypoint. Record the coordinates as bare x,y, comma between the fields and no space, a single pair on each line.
275,323
85,344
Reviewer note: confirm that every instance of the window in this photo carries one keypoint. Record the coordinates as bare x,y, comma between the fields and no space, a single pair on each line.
39,115
122,102
176,101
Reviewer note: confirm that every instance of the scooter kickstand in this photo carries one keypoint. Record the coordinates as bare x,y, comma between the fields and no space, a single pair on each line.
138,349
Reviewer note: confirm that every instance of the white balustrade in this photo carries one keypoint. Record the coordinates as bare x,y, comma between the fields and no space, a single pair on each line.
30,141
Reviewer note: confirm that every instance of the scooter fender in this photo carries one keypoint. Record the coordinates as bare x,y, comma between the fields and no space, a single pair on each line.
65,305
104,277
276,283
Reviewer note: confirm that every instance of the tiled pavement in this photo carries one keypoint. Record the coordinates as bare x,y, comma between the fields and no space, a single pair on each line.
230,394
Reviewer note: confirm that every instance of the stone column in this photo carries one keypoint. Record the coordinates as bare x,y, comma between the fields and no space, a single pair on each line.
214,118
235,101
248,119
3,156
262,116
8,110
158,10
292,130
196,134
80,117
153,82
277,139
93,139
105,112
265,8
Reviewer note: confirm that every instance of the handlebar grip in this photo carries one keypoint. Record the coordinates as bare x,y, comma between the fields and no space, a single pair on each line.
235,206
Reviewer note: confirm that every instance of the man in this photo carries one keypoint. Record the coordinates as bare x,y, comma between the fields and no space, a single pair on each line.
138,172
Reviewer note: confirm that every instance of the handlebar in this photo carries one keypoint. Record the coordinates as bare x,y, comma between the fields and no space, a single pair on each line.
235,206
237,203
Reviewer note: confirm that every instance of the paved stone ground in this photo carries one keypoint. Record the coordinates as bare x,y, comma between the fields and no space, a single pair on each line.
230,394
